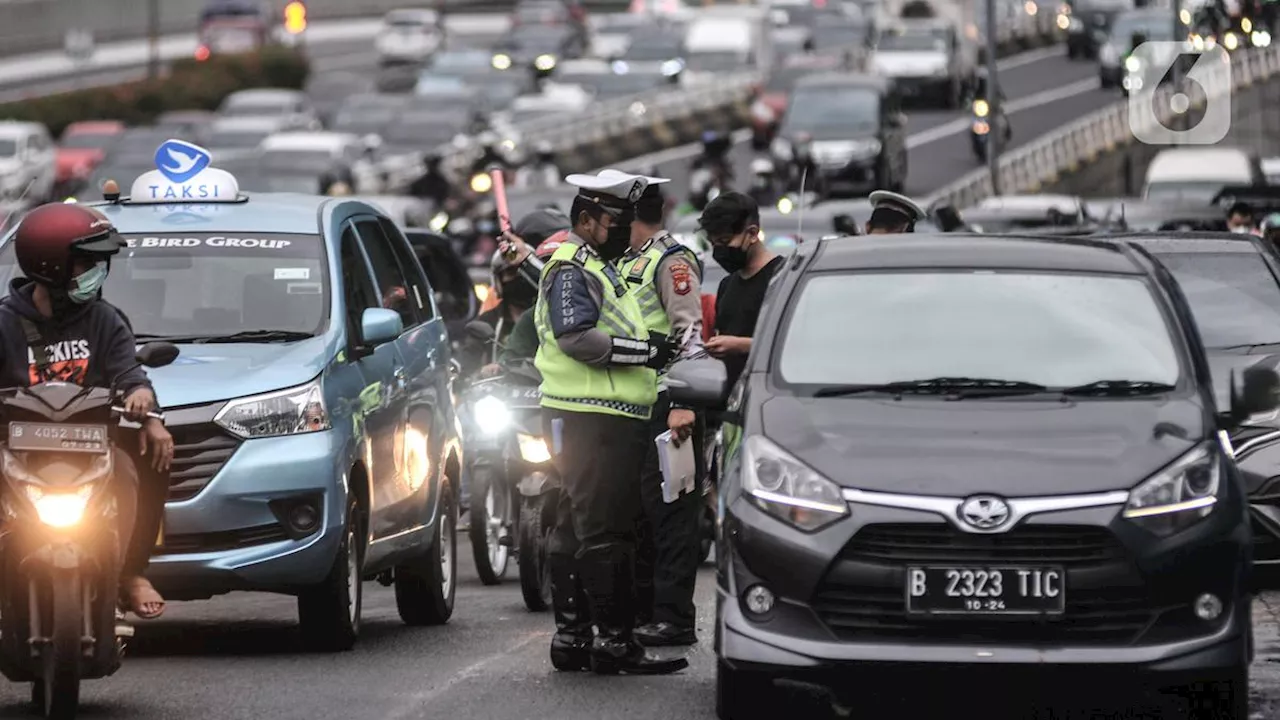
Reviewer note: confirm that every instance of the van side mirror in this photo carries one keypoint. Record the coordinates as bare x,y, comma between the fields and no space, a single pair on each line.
699,382
156,354
1258,393
481,331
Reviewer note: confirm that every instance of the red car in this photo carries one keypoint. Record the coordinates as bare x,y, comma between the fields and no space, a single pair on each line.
771,99
82,147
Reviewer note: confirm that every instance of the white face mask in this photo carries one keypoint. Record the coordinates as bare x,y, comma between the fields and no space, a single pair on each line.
1240,229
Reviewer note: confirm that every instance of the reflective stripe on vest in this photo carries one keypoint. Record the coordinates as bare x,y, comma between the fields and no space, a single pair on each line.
571,385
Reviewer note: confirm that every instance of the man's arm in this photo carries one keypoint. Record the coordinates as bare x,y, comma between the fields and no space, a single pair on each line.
522,343
574,298
119,358
680,292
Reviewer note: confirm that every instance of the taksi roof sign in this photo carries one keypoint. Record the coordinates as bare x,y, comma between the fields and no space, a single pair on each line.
183,175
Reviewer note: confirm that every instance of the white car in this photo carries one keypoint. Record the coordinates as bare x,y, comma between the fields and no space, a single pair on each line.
293,106
321,152
409,36
26,163
233,138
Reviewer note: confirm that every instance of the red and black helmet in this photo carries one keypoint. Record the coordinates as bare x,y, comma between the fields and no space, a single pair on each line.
50,235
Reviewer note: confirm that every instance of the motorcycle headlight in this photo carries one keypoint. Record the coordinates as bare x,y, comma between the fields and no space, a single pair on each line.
1178,496
784,487
285,412
1230,41
491,415
501,61
61,509
544,62
1132,64
481,183
1246,25
439,222
533,448
981,108
780,148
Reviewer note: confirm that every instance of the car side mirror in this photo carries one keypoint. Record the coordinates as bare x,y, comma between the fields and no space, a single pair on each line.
1258,393
157,354
481,331
380,325
699,382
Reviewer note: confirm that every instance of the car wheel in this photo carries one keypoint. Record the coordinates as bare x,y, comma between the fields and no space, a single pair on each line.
329,613
740,694
427,585
1225,699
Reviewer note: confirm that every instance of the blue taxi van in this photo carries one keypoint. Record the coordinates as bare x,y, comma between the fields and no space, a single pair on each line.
311,405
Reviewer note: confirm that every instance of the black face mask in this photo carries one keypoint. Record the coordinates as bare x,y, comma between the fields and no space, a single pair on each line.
732,259
519,293
617,238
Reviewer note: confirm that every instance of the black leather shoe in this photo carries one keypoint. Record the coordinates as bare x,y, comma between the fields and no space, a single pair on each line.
612,655
665,634
571,652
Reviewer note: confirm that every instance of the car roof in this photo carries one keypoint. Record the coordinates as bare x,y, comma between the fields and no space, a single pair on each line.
261,213
843,79
1029,202
265,94
94,127
308,140
962,250
256,122
18,127
1193,242
1199,163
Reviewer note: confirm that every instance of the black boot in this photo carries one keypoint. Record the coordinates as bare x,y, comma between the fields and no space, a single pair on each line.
571,645
607,573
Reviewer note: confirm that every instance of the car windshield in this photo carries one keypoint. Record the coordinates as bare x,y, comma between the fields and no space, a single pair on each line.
256,107
838,36
237,139
300,160
8,148
1234,296
89,141
461,62
409,131
1194,191
652,48
784,78
911,42
430,83
1053,329
851,108
202,284
361,121
716,62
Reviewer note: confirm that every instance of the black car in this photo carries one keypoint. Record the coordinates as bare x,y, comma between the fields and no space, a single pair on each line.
1232,283
1089,24
1007,461
853,129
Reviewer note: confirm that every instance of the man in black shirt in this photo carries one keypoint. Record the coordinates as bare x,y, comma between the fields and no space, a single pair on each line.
731,223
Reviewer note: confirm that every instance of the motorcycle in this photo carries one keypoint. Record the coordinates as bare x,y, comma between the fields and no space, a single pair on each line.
764,186
60,553
980,129
514,486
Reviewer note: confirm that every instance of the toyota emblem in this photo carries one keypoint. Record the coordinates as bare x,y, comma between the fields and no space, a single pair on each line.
984,512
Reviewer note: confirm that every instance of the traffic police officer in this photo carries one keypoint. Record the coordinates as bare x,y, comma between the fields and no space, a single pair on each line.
664,276
892,214
599,383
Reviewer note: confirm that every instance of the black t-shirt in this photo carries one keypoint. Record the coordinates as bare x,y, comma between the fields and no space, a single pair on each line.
738,303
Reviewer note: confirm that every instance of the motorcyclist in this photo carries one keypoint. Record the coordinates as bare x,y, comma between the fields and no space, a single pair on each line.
981,91
490,153
55,326
433,184
522,341
763,182
543,171
1271,230
715,155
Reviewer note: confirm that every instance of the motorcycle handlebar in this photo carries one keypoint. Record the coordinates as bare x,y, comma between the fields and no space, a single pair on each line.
153,414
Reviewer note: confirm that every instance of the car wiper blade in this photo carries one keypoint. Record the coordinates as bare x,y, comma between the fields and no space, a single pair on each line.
962,386
1119,388
256,336
1248,346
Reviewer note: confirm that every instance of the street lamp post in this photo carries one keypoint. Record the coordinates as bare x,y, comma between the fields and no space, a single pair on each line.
153,39
993,100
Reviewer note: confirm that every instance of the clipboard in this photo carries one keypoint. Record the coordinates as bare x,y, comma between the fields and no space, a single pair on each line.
679,469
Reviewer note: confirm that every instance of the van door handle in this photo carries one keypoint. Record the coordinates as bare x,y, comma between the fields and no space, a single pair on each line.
400,377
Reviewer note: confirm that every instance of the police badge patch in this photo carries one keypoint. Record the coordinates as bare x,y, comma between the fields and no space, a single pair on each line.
637,189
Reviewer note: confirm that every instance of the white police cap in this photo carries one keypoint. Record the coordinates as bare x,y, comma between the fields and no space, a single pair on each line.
898,203
610,187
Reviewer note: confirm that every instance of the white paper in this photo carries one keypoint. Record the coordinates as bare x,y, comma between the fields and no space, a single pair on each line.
293,273
678,465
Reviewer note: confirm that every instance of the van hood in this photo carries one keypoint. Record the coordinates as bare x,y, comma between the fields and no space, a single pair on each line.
1010,447
222,371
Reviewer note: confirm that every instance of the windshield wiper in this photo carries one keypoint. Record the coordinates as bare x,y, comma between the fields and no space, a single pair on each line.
1247,346
1119,388
257,336
959,386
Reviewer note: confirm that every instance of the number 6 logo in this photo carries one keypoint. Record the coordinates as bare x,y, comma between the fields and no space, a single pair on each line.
1195,111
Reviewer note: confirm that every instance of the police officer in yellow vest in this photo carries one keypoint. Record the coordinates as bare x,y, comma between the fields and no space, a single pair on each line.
599,383
665,277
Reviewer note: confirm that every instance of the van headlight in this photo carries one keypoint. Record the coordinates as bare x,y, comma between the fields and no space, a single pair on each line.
789,490
491,415
1178,496
533,449
284,412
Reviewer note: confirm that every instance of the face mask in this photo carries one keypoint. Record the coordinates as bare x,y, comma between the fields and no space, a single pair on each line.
88,284
732,259
1240,229
519,294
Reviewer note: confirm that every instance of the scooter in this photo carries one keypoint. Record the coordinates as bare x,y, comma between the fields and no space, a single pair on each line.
60,552
514,486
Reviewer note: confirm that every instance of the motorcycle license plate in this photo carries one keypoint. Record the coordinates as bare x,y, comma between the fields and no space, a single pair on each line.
55,436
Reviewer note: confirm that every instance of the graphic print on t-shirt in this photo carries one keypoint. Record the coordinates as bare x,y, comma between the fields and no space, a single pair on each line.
68,362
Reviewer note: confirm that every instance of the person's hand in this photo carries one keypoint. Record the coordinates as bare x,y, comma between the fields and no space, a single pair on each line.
680,423
490,370
723,345
140,402
155,438
509,242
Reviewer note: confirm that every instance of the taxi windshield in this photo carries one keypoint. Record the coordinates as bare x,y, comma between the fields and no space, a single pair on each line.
202,285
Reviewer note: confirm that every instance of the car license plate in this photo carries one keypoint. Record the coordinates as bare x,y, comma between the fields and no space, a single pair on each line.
986,590
54,436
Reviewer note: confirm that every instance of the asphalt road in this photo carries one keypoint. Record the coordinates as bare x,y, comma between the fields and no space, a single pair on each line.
239,657
1043,90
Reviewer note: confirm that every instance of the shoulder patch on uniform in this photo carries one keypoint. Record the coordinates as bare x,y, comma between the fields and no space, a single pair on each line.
581,256
681,277
636,273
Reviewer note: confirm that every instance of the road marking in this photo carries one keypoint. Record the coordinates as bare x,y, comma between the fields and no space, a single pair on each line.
923,137
413,706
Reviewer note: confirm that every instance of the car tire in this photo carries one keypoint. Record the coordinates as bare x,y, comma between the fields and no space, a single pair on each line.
329,613
740,693
427,585
1224,699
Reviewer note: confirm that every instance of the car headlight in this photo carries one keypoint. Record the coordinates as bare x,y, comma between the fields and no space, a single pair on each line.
60,509
501,61
784,487
1230,41
544,62
285,412
672,67
1178,496
1132,64
533,449
491,415
780,148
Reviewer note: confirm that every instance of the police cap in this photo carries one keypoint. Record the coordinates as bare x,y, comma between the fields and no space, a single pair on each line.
885,201
611,188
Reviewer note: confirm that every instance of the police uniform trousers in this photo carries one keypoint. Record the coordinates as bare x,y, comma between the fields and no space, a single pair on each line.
669,550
